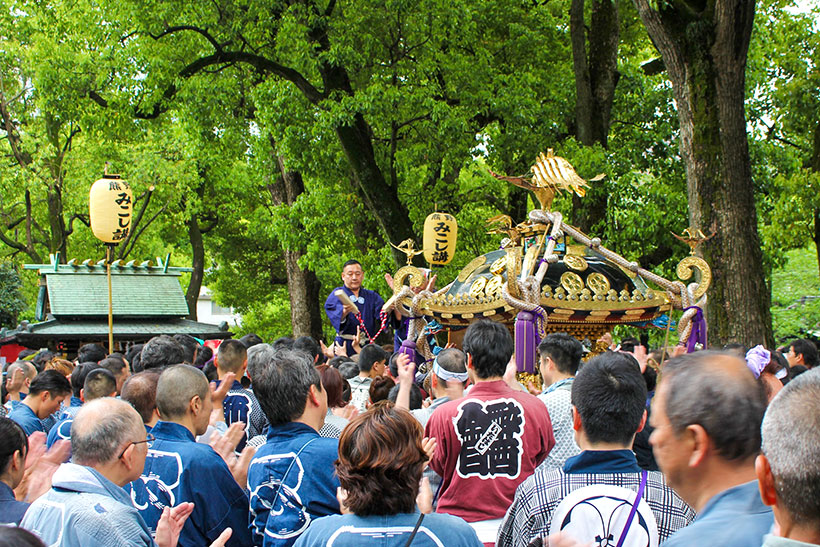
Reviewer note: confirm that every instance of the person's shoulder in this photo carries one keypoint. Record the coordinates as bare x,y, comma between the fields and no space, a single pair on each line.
323,447
453,529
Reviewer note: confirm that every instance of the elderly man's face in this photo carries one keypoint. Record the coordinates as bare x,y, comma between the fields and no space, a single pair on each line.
670,450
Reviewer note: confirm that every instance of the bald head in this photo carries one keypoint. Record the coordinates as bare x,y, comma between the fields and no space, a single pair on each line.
100,430
141,391
175,389
718,392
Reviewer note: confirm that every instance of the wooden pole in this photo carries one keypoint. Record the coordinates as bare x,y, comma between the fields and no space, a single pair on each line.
110,300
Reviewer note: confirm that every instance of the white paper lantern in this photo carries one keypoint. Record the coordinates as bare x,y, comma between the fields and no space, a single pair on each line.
110,206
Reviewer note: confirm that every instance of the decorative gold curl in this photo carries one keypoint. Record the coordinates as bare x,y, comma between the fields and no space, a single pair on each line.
686,270
402,295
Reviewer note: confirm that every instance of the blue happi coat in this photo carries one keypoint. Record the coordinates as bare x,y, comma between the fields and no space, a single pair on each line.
296,463
178,469
369,304
241,405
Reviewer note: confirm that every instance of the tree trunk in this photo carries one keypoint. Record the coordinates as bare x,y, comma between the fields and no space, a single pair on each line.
197,263
596,76
380,198
815,166
303,285
705,56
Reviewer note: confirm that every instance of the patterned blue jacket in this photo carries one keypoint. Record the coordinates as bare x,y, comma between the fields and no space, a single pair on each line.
297,464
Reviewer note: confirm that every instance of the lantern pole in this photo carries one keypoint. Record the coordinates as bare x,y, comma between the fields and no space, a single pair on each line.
108,249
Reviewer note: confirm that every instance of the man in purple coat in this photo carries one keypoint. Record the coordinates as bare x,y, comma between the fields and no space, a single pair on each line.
343,317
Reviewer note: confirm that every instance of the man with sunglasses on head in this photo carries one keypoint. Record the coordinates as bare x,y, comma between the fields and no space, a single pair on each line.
343,317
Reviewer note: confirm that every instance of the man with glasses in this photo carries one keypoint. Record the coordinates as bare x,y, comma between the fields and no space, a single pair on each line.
87,505
178,469
344,318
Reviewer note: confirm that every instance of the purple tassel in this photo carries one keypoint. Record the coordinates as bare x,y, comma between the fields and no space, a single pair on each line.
408,347
526,342
698,334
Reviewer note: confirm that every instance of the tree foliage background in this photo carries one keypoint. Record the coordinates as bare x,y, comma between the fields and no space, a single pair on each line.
270,141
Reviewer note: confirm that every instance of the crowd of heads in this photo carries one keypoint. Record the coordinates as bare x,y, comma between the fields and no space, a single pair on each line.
753,413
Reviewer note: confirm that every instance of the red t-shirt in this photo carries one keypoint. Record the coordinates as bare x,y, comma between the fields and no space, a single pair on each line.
489,442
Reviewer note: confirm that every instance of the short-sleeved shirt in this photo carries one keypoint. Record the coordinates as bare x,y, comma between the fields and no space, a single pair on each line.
488,443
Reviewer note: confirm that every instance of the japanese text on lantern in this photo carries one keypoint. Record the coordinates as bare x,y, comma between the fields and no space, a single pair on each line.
440,233
110,207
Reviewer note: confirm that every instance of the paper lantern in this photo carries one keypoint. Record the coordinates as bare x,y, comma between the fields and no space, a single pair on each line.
110,205
440,232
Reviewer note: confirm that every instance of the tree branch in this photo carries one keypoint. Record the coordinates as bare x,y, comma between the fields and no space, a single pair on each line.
201,31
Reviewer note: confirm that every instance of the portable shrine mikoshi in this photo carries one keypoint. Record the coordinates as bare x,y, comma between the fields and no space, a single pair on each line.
548,276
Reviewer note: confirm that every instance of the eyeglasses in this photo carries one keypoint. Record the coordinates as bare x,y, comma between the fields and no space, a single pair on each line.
148,439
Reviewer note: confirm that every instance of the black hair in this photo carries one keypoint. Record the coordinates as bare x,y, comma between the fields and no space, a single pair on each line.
14,536
79,374
44,356
490,345
370,355
251,339
610,395
309,346
90,352
203,356
283,385
736,348
807,349
12,439
564,350
336,362
283,342
52,381
132,355
415,396
160,352
189,344
393,364
348,369
628,344
351,262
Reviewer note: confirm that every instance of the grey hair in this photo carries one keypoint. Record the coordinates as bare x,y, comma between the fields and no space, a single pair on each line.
791,443
282,385
100,429
259,357
729,404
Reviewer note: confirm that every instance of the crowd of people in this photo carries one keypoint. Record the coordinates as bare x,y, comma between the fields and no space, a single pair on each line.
294,443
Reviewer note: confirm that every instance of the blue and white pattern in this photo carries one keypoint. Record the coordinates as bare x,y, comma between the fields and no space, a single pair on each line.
291,482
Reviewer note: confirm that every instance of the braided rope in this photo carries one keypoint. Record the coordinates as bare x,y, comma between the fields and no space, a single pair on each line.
538,215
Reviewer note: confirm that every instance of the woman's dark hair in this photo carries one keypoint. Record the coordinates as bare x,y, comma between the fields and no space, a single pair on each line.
381,459
333,383
380,388
13,536
12,439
